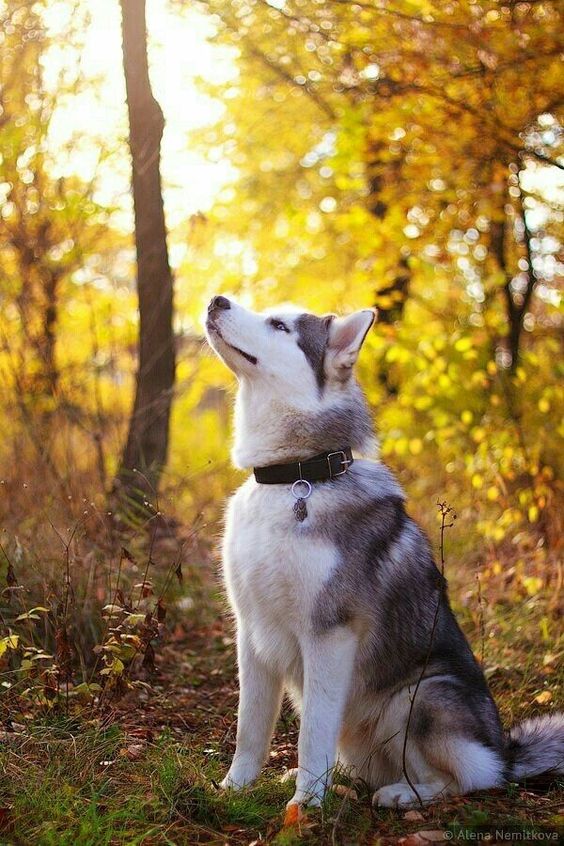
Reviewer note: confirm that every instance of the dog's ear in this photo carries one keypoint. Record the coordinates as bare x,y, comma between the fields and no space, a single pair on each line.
346,336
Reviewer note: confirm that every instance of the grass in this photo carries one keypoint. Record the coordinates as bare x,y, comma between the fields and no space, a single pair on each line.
90,793
147,772
144,768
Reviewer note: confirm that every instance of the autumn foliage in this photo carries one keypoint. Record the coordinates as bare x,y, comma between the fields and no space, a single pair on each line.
406,155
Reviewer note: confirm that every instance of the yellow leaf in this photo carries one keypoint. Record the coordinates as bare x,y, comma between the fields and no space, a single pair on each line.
532,585
463,344
544,405
492,493
422,403
479,378
387,447
477,481
401,446
112,609
415,446
533,513
116,667
543,697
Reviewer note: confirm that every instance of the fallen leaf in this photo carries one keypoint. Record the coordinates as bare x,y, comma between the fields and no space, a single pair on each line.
420,838
413,815
543,697
346,792
134,751
294,813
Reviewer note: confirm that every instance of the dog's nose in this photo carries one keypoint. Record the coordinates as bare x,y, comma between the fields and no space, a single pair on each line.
221,303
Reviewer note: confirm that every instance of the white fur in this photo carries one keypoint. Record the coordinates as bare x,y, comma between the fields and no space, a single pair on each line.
475,767
272,585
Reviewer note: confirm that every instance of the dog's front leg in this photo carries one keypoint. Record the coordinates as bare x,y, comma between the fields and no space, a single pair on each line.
260,695
328,667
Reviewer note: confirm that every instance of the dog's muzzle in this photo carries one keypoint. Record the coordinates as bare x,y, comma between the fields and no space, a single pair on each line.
218,304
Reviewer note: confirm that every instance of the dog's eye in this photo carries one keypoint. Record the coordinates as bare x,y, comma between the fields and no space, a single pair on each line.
279,325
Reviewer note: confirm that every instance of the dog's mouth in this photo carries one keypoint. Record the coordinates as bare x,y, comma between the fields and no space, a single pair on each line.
213,327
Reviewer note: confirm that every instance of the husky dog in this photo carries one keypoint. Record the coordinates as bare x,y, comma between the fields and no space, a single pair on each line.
344,608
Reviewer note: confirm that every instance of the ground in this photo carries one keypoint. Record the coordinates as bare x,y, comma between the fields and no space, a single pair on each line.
146,771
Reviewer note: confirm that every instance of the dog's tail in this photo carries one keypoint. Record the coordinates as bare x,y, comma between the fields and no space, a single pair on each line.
536,747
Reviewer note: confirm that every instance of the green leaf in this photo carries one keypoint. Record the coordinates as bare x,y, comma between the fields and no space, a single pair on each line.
135,619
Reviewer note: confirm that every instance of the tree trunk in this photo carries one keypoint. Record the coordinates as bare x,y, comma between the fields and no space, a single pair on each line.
516,304
147,441
397,293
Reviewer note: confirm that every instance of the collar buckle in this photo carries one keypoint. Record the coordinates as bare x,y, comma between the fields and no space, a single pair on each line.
344,461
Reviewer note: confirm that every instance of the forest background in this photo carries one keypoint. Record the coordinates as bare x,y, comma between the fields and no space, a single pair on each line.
401,154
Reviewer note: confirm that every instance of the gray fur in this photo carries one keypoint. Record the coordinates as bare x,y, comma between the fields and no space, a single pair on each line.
347,423
536,746
387,586
313,334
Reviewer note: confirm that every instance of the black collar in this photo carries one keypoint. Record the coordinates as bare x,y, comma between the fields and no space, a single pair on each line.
321,467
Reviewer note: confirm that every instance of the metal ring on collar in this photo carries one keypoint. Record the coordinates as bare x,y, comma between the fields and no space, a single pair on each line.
301,482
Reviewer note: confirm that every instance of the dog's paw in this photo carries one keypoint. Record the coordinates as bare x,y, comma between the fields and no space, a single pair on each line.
395,796
227,783
237,779
291,774
401,795
304,800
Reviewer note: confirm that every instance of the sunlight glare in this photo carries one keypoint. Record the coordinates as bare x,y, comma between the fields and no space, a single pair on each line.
94,120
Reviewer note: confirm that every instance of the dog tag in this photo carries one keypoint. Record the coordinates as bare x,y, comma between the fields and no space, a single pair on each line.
300,507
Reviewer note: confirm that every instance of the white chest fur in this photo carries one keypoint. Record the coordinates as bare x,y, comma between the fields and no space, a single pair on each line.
274,569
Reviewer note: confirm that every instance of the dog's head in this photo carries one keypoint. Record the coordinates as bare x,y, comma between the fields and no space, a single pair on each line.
297,395
294,353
